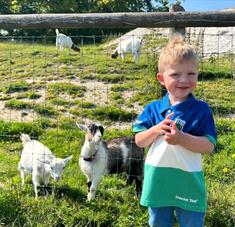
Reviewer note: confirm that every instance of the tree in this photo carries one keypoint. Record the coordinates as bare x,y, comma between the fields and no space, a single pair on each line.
78,6
162,5
82,6
5,6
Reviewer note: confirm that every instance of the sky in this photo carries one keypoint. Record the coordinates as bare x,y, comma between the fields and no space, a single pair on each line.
207,5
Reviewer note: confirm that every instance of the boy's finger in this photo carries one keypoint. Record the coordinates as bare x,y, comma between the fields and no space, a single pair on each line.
169,115
174,126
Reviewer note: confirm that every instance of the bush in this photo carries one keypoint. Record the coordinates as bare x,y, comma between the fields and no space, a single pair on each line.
18,105
45,110
10,131
69,88
16,87
211,75
110,113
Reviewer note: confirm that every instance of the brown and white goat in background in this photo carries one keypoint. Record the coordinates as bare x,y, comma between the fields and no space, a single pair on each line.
113,156
64,41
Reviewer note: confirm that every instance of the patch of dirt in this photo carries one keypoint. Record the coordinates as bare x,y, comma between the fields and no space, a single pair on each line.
214,40
97,92
17,115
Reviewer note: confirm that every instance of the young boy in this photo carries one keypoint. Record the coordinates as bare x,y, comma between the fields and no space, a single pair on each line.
179,129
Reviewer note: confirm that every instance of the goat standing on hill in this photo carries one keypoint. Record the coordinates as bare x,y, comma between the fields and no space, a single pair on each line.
64,41
132,45
114,156
38,160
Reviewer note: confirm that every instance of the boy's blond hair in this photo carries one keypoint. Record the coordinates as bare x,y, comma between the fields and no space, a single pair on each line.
176,51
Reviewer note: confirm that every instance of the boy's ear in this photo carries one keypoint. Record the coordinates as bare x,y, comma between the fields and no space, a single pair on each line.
160,78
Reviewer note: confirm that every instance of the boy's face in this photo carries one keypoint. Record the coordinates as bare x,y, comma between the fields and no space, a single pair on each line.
179,79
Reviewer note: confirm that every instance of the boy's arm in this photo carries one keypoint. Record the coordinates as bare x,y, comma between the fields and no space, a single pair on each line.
198,144
146,138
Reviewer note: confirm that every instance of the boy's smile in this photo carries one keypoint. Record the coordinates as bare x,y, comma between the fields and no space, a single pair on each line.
180,80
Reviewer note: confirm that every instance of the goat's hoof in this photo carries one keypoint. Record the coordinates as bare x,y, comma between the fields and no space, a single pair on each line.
90,197
88,200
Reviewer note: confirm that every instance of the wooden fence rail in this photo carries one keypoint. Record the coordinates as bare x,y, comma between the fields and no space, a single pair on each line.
223,18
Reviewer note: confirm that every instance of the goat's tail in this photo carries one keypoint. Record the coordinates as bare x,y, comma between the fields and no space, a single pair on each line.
57,32
24,138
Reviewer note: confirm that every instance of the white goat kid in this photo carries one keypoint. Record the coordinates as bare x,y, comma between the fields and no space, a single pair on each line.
114,156
131,45
38,160
64,41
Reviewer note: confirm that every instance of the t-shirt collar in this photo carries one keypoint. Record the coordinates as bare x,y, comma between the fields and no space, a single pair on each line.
165,104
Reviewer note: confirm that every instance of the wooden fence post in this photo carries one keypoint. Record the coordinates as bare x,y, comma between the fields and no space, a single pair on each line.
221,18
177,29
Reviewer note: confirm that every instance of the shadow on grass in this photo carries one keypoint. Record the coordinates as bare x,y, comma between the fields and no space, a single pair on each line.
73,194
65,191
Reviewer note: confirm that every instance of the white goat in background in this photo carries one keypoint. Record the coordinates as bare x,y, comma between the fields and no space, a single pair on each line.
64,41
113,156
131,45
38,160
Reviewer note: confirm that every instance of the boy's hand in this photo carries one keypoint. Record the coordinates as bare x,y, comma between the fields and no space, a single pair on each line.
173,136
165,126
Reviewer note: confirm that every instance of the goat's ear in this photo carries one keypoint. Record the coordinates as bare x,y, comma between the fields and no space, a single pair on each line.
82,127
66,160
101,128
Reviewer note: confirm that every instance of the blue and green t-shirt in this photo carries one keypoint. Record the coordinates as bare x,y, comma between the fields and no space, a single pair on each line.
173,175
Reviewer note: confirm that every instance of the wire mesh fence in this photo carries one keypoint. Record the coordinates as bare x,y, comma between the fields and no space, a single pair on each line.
44,91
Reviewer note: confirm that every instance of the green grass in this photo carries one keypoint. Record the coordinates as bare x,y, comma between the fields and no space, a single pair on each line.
71,89
51,85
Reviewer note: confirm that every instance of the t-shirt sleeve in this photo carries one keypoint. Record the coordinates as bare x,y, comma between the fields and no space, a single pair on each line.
207,127
142,123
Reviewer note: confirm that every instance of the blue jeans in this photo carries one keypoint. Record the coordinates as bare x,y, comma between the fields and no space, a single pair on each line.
164,217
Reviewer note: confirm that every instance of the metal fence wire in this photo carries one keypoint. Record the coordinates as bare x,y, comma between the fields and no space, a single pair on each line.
44,91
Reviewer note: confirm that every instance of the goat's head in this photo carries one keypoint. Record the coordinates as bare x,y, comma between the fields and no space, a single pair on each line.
75,48
114,54
56,167
94,132
24,138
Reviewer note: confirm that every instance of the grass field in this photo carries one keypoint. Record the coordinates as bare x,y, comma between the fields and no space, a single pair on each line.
44,92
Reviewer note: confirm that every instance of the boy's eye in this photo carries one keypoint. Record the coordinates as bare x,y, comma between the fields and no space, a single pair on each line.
192,74
174,75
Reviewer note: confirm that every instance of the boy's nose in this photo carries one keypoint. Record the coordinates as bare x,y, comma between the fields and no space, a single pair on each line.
183,78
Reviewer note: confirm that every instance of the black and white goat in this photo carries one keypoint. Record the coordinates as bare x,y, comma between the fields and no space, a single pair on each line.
113,156
131,45
64,41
